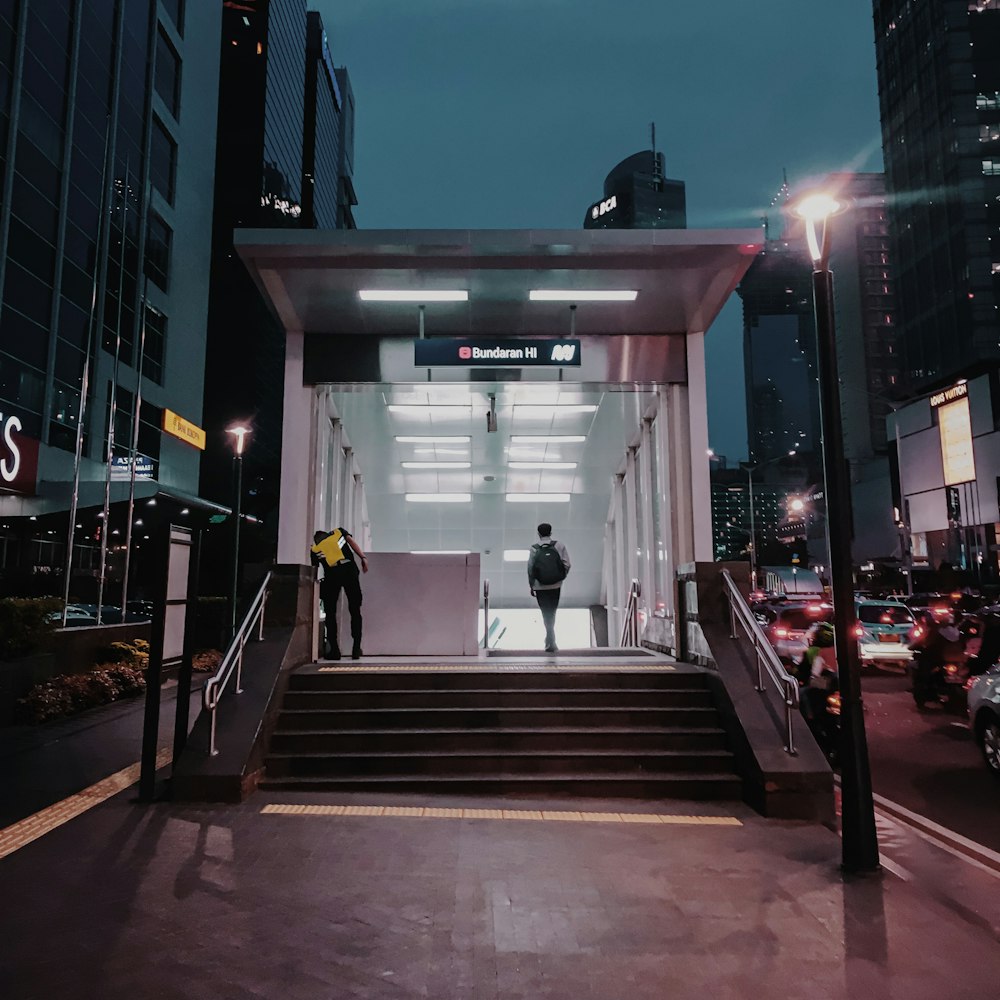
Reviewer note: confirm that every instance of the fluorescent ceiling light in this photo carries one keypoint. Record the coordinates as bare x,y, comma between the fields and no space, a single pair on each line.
413,295
440,552
541,465
537,498
438,450
516,555
436,465
548,438
434,439
538,410
581,295
428,408
438,497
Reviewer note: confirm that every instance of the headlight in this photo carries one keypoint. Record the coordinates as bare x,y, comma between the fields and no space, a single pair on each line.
833,703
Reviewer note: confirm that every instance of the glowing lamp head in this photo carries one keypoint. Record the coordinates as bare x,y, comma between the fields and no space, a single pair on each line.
240,432
817,207
796,505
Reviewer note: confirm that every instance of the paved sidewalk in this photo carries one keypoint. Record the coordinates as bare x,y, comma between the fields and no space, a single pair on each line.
234,903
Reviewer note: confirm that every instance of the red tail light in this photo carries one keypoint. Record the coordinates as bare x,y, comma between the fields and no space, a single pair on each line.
917,632
859,631
781,633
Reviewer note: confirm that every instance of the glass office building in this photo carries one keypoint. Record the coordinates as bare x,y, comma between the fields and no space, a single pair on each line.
638,195
107,141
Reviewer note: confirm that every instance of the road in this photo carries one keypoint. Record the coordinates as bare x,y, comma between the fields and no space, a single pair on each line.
928,762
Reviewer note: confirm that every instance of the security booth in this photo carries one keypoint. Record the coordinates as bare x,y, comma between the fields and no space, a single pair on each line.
447,391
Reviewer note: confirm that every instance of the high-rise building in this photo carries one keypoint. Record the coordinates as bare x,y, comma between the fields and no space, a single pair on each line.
328,136
107,148
939,92
258,185
286,126
638,195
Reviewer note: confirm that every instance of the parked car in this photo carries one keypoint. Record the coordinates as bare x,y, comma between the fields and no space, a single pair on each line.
984,716
884,630
787,625
75,615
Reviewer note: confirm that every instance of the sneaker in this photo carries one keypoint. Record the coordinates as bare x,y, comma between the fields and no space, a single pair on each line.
553,648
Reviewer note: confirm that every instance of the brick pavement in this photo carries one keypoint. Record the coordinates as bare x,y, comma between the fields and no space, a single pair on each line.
239,903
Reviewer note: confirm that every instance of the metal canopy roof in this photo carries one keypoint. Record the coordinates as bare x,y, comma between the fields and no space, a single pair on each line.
312,278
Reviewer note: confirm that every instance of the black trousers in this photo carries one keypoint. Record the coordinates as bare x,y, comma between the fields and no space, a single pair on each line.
548,602
335,579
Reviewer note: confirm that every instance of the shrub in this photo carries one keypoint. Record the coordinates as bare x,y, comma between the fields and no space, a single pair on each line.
206,660
132,654
24,624
73,693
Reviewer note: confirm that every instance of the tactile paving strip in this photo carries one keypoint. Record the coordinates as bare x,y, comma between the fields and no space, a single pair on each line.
23,832
545,815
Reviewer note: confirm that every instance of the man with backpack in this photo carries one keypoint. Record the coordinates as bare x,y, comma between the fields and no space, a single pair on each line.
548,564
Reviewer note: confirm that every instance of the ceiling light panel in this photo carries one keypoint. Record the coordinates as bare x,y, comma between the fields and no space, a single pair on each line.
548,438
538,497
516,555
541,465
554,410
582,295
436,465
433,438
438,497
413,295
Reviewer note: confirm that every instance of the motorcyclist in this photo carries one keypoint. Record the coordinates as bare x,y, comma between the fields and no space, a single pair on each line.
817,677
937,645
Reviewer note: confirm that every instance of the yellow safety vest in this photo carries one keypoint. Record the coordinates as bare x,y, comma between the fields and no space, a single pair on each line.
331,548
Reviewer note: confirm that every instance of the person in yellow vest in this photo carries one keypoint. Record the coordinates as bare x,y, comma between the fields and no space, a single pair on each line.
338,553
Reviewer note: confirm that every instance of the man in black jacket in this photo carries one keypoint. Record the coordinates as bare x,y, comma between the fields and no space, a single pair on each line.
338,553
548,565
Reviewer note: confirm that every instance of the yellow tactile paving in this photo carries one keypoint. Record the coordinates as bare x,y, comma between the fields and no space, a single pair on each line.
543,815
29,829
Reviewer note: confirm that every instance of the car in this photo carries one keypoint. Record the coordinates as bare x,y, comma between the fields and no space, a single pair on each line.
984,716
938,605
787,625
884,630
76,615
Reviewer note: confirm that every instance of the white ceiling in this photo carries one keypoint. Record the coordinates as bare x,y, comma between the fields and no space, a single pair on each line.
489,523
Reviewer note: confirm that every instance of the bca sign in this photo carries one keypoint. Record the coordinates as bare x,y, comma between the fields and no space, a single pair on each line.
603,207
18,457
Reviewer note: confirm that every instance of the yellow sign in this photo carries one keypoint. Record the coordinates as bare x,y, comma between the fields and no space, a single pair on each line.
183,429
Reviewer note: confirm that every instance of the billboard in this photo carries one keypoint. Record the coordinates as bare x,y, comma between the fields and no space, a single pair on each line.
955,426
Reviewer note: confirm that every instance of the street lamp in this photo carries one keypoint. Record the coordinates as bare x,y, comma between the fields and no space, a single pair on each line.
859,843
240,433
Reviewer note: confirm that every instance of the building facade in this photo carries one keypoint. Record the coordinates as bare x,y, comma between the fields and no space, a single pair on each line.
938,67
107,146
639,195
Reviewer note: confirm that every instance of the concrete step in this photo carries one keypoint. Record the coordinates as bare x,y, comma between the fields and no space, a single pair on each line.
307,679
604,786
317,700
366,764
494,716
633,739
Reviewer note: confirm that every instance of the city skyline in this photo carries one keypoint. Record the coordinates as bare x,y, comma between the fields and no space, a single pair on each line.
490,153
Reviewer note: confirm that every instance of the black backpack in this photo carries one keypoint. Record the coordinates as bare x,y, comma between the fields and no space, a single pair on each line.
548,566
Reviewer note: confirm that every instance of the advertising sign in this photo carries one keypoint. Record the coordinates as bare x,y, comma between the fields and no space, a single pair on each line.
481,352
121,468
957,456
18,457
183,429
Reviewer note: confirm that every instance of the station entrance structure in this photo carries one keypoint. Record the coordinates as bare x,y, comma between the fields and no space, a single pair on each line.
530,321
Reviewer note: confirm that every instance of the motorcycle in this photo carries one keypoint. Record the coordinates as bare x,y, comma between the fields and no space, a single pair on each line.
943,682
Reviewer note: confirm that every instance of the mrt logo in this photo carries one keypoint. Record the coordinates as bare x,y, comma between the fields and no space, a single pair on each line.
465,353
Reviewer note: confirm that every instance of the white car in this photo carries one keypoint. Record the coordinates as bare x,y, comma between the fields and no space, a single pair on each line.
984,716
884,630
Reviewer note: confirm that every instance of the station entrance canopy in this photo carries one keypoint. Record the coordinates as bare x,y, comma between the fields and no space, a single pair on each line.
313,281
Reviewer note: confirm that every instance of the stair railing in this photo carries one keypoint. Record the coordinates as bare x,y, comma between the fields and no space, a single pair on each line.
486,614
764,654
630,627
232,662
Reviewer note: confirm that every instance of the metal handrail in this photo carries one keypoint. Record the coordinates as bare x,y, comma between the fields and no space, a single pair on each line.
630,627
211,693
787,685
486,614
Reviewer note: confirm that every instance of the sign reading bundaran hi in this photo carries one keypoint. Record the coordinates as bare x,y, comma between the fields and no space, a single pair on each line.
183,429
482,352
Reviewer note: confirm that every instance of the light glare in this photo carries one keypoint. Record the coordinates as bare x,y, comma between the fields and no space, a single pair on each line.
411,295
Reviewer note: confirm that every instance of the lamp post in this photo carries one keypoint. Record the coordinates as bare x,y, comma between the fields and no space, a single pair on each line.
859,842
240,433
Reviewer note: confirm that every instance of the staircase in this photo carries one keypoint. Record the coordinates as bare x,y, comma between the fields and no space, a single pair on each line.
617,733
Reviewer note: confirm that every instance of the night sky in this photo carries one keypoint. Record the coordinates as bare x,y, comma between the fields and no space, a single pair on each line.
509,113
